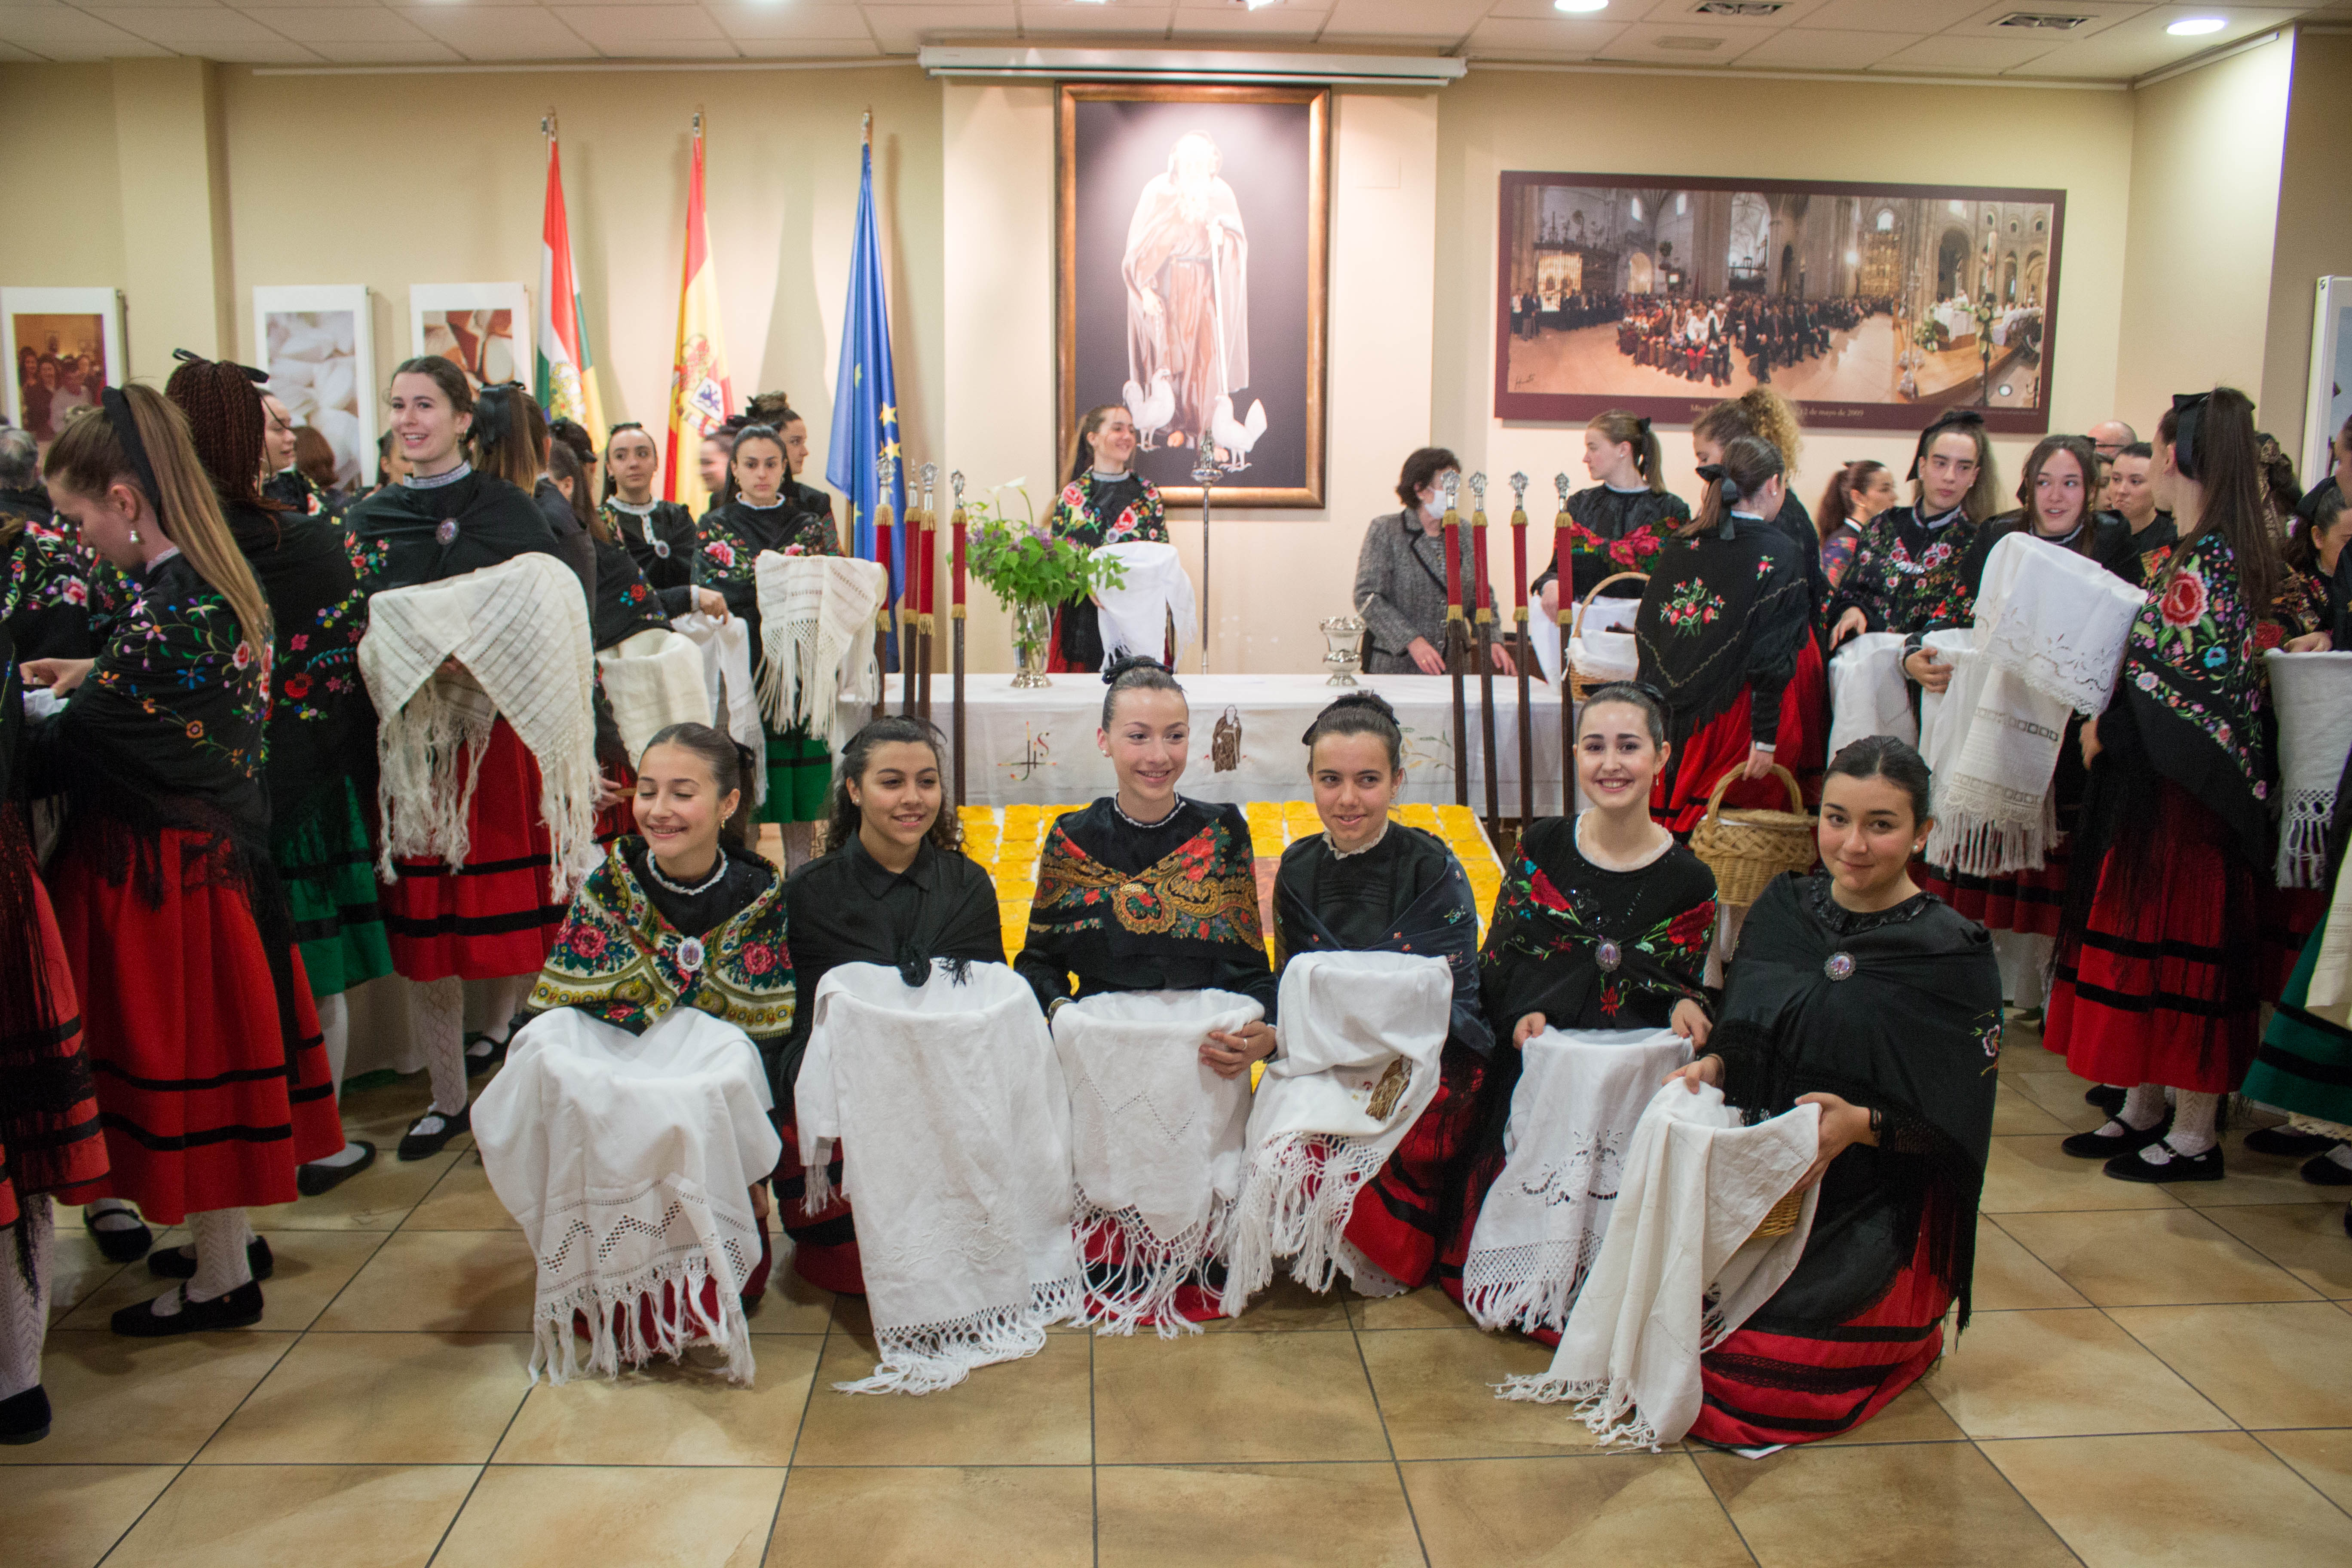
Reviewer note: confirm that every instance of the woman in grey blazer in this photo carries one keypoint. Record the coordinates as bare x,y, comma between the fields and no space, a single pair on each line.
1401,575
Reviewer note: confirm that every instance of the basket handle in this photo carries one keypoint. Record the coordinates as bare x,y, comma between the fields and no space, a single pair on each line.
1715,799
1575,630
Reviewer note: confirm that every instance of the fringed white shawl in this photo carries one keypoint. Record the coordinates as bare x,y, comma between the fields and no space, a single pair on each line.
1136,617
654,679
2313,695
1579,1099
1868,692
953,1122
730,699
521,628
1156,1144
629,1161
816,638
2049,638
1360,1038
1682,1267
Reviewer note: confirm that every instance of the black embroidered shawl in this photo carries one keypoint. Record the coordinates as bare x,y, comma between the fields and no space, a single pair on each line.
397,530
1904,574
1611,532
625,604
734,535
1721,616
44,595
663,542
1899,1012
321,723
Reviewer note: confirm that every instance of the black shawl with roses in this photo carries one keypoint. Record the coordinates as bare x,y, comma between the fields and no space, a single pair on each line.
1720,616
321,724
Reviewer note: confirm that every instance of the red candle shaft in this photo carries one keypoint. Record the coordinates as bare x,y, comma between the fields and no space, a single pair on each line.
1453,565
1478,558
1561,578
930,561
1518,566
957,587
882,554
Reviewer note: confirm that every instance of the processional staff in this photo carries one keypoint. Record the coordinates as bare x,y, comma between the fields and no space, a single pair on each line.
1519,614
930,579
1457,633
884,520
1205,474
955,589
1486,646
1563,585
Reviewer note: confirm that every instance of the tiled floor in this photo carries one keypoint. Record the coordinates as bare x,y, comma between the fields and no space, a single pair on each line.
2152,1378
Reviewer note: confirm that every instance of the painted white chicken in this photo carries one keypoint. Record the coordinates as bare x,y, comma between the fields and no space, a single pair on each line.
1236,438
1150,414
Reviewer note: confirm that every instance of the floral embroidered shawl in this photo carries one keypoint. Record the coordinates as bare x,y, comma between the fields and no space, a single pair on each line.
1904,577
1718,615
44,595
1200,897
1077,515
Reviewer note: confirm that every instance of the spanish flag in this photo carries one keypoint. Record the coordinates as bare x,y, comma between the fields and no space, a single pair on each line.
701,397
566,377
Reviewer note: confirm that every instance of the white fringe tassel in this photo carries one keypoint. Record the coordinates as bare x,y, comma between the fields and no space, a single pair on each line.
1978,843
632,1298
927,1357
1294,1206
1152,1268
1527,1288
2303,838
1607,1409
420,798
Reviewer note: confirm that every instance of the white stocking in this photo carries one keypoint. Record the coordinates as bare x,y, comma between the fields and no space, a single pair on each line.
2143,1106
335,1025
2192,1122
438,1010
24,1313
502,1001
222,1236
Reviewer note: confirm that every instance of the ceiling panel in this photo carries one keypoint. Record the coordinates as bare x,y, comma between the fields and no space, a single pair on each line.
501,33
1416,18
1560,40
1686,12
370,54
902,29
339,24
741,21
808,48
1821,49
1296,21
1983,55
1678,43
641,29
1139,19
2099,16
1888,16
63,35
2140,45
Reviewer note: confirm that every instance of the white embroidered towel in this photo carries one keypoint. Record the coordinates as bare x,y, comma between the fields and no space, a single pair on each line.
2055,619
816,636
1360,1038
2313,694
733,706
1156,1144
1579,1099
1136,616
1682,1266
1868,693
653,679
629,1161
521,628
948,1101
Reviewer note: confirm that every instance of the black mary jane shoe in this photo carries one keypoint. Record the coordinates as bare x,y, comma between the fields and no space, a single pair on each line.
240,1308
314,1180
2097,1146
2179,1167
2322,1171
2107,1097
25,1417
476,1064
2288,1145
119,1245
415,1145
173,1264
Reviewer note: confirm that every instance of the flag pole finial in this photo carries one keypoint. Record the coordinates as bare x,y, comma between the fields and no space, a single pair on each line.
698,123
869,130
547,125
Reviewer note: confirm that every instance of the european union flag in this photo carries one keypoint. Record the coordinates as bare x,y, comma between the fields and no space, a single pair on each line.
865,392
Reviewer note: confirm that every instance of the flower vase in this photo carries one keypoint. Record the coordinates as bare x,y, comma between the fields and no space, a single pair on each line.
1032,639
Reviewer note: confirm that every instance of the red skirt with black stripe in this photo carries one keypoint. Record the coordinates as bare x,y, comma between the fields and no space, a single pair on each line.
496,915
1402,1221
50,1137
824,1243
1723,742
619,820
212,1078
2026,901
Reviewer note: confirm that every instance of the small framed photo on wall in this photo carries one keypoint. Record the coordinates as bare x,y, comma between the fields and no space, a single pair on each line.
318,344
484,328
1193,232
65,347
2329,403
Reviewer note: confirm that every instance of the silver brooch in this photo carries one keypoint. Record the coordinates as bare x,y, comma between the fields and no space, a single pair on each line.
447,530
661,548
690,955
1840,966
1609,955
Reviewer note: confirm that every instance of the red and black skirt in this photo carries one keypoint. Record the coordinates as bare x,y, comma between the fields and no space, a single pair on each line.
619,820
50,1136
213,1083
1723,742
496,915
1413,1219
2164,983
2026,901
824,1243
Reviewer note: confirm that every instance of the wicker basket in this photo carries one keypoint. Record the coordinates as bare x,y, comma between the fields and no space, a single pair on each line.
1781,1218
1746,849
1581,685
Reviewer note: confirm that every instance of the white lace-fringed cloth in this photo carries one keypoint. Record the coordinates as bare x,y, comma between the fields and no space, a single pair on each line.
947,1102
2313,695
817,636
727,687
1579,1099
2049,639
629,1161
653,679
521,628
1156,1146
1136,616
1868,691
1682,1267
1361,1033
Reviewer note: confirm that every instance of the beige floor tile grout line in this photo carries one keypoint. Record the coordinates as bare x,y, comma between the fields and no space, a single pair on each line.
1381,1415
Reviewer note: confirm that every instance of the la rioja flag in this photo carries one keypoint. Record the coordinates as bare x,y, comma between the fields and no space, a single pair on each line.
566,379
701,397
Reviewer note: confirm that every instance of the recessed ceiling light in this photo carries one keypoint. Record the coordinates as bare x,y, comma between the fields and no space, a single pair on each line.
2196,26
1580,6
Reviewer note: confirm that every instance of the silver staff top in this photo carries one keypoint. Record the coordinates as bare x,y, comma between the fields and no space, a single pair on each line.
1448,487
955,482
1518,492
1561,481
1478,491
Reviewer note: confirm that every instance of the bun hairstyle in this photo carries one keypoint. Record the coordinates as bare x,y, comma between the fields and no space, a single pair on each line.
510,435
2212,435
1983,499
1760,412
455,388
1420,471
222,404
2086,457
842,821
1135,672
138,437
737,439
1837,501
1748,463
1082,456
733,768
774,409
1634,694
1897,762
1358,713
1620,428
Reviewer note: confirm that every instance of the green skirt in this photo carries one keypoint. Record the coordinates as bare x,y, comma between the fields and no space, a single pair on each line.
2304,1065
800,776
328,873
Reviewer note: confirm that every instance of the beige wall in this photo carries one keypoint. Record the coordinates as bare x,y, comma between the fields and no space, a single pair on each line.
61,186
2315,229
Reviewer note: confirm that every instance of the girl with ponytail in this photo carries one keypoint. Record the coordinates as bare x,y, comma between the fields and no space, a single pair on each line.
1621,522
213,1087
1770,418
1858,492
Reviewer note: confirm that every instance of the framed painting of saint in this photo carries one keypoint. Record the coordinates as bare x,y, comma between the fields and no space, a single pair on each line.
1191,247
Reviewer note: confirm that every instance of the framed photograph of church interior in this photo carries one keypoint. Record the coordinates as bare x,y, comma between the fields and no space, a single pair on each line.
1871,307
1191,239
2329,403
483,327
65,347
318,344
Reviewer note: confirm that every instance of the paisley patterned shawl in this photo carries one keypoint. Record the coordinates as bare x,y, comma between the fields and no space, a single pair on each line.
618,959
1542,953
1077,516
1441,923
1199,898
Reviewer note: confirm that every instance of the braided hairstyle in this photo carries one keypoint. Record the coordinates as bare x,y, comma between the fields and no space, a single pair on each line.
1358,713
1135,672
224,420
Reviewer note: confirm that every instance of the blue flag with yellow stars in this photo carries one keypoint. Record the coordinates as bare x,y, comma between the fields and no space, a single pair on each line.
866,394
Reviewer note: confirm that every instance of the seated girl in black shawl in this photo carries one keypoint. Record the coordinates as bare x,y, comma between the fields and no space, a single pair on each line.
1855,991
1366,884
895,887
